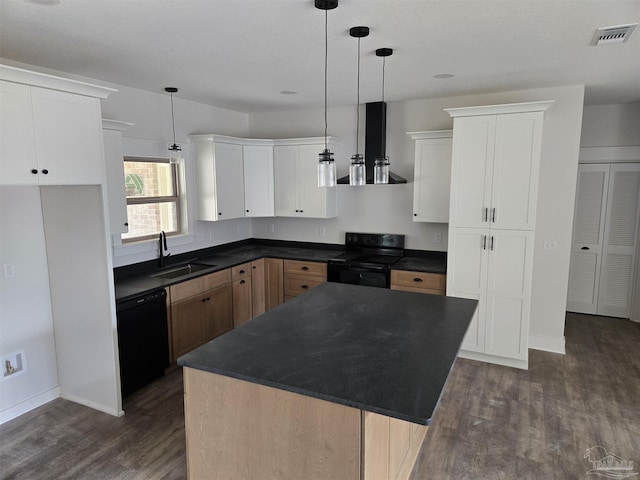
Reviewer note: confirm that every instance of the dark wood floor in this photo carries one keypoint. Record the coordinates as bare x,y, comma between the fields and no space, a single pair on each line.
493,422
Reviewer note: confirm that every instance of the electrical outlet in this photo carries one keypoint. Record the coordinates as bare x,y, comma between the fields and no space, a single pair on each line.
272,228
13,364
9,270
437,238
322,231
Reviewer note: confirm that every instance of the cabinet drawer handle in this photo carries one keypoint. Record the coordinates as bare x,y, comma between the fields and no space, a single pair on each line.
208,299
203,300
305,286
417,279
493,215
584,248
34,171
242,282
241,272
45,171
492,242
486,215
305,268
484,242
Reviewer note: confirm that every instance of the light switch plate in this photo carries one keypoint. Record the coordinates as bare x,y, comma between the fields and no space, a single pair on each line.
551,245
9,270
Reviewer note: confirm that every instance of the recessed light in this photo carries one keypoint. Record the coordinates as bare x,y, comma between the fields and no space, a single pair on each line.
288,92
440,76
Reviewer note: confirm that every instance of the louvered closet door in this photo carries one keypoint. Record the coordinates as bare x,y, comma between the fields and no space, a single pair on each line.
588,236
620,241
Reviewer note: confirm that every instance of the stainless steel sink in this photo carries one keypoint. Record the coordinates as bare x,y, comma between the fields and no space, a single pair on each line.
182,271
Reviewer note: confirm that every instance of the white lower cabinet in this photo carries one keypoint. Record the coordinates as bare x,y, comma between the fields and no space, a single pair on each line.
296,179
494,267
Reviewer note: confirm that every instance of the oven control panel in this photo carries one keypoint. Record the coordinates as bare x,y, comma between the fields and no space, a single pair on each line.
377,240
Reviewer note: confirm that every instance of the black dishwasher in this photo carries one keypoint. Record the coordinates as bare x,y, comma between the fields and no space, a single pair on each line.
143,340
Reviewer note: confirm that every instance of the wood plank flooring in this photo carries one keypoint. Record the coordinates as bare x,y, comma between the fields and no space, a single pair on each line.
493,423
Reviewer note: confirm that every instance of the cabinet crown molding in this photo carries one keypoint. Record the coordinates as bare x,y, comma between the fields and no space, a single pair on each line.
44,80
500,109
116,124
431,134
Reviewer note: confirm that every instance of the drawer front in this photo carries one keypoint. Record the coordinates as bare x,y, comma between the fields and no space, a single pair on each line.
418,280
217,279
240,271
306,268
298,284
186,289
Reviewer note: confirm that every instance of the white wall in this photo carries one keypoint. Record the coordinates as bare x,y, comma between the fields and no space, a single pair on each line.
26,321
611,125
389,208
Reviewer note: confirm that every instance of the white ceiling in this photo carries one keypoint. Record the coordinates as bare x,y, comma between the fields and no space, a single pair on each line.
240,54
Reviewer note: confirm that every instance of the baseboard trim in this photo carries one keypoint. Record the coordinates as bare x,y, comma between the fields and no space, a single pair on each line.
484,357
95,406
28,405
547,344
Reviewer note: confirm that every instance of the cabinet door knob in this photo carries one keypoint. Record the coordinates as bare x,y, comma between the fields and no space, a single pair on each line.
241,272
45,171
415,214
203,300
247,211
417,279
34,171
305,268
242,282
126,224
305,286
219,213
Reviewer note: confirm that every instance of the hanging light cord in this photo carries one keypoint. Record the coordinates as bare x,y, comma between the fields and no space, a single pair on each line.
358,102
173,123
326,47
384,60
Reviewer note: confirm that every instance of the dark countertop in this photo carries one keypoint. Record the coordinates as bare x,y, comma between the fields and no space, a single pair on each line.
132,285
384,351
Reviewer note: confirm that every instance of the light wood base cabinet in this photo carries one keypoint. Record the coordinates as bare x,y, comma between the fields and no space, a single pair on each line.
201,310
300,277
242,294
246,431
420,282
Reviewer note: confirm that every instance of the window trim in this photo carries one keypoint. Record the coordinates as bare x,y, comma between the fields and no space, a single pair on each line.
175,173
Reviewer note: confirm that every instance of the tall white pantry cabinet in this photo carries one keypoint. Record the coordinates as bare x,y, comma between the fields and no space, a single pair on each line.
494,187
55,236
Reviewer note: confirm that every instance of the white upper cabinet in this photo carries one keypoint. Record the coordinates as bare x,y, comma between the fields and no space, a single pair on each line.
49,136
258,180
296,179
114,167
219,177
496,158
432,176
17,136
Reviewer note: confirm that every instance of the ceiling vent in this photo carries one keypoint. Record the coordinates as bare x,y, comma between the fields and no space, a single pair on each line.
611,35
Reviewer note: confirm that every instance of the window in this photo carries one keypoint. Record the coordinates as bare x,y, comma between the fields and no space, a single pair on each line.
152,197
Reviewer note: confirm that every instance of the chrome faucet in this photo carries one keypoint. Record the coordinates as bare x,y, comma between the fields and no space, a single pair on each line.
162,248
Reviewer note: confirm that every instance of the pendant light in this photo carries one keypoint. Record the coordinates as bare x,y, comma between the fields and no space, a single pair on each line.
326,164
381,165
175,150
357,169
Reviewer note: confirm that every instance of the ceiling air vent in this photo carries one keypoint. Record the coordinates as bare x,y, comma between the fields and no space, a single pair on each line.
611,35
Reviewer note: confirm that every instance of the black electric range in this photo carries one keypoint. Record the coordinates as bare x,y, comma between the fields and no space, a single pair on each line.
367,259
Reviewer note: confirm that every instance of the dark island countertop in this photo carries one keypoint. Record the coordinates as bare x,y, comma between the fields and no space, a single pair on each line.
384,351
134,284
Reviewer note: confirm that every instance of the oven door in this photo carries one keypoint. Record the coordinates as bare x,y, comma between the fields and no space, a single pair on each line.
371,277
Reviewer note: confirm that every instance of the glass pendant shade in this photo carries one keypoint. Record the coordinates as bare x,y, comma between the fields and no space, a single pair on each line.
381,170
175,153
357,170
326,169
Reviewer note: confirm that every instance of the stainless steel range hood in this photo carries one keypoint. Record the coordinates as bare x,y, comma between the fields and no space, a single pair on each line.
375,138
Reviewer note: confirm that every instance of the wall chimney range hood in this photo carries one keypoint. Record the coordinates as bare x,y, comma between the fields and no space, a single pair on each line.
375,142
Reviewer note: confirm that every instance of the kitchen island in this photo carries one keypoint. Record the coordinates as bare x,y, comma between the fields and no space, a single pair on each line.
341,382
